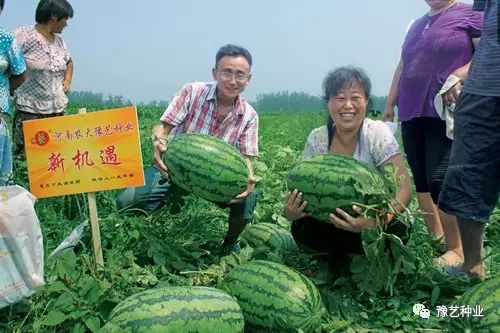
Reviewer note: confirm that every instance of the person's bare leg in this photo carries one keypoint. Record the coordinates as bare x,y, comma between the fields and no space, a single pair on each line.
430,214
472,233
454,253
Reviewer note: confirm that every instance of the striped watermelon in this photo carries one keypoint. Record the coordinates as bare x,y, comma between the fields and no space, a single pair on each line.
206,166
274,297
177,310
330,181
487,296
269,237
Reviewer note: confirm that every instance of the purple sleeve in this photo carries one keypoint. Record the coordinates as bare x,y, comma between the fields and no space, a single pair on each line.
475,24
412,31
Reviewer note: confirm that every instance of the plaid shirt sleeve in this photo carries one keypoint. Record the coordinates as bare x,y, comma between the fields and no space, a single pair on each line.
178,107
249,139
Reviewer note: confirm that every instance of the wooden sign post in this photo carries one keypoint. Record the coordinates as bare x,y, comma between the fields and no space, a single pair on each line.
94,222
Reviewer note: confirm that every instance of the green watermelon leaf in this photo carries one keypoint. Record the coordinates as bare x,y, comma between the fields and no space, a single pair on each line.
78,328
54,318
391,179
56,286
402,254
77,313
378,269
65,302
93,324
260,166
66,265
435,294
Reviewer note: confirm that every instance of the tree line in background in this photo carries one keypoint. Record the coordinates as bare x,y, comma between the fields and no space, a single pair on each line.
90,98
285,101
281,101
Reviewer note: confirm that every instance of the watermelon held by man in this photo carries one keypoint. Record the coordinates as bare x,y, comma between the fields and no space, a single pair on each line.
207,167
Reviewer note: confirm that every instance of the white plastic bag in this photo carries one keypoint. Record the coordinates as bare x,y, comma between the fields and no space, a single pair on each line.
21,245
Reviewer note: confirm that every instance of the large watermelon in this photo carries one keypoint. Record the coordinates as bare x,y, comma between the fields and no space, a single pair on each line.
206,166
274,297
269,237
330,181
484,301
177,310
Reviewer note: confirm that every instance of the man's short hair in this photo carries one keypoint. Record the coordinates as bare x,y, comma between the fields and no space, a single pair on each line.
233,51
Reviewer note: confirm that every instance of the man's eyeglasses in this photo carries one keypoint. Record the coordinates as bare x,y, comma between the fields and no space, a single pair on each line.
228,75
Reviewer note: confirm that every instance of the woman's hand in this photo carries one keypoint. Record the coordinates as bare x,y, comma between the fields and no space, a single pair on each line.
350,223
451,95
66,86
294,207
388,114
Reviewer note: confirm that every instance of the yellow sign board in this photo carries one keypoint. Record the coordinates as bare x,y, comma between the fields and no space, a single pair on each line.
86,152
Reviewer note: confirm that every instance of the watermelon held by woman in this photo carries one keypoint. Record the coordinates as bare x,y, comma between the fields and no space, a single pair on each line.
206,166
177,310
275,298
331,181
484,302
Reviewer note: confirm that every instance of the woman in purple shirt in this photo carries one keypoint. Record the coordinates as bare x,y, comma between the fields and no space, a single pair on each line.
439,44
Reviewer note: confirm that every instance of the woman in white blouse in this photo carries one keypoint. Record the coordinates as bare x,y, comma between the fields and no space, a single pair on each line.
347,132
49,68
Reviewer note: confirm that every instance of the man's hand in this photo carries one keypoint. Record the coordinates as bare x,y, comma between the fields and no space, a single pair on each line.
240,197
350,223
294,207
159,147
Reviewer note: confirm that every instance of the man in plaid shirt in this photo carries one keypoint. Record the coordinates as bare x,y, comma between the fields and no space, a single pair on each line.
213,108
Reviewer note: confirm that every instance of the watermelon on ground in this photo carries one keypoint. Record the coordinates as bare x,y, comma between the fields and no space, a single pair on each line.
274,297
484,302
177,310
269,237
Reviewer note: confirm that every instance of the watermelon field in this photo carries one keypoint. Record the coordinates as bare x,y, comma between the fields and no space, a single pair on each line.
178,246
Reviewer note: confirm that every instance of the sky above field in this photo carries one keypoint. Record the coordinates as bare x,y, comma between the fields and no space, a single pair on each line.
146,50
